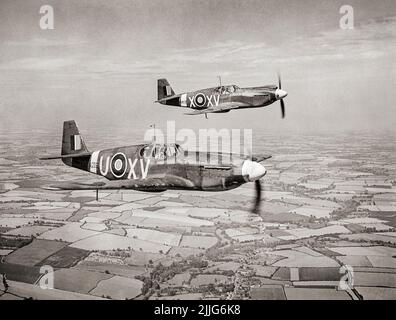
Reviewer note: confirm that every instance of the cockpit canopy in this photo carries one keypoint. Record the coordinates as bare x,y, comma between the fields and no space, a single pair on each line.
227,89
161,151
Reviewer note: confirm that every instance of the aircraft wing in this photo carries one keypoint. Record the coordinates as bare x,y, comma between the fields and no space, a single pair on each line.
204,111
261,158
252,94
109,185
73,185
221,108
154,184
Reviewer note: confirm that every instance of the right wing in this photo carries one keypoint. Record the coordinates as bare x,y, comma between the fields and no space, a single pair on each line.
261,158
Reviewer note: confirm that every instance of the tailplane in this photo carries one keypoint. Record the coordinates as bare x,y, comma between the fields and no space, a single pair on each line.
74,152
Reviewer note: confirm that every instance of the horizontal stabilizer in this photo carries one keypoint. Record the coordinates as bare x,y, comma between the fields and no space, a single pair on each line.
66,156
166,99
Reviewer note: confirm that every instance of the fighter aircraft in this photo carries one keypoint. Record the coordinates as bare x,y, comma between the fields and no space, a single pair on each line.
157,167
221,99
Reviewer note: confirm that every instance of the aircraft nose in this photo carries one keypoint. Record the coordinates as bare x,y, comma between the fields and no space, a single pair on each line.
253,170
280,94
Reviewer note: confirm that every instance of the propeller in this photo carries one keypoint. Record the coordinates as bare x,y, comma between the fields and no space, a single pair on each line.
257,203
257,183
282,103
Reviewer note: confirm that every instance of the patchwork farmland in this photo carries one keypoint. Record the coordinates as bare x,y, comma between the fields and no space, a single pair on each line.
324,213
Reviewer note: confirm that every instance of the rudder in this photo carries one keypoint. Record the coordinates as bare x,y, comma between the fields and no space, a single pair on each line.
72,141
164,89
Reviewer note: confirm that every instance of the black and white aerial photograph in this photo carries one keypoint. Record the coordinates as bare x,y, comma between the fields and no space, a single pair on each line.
206,150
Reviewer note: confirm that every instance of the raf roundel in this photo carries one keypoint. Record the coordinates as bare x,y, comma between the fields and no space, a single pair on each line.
118,165
200,100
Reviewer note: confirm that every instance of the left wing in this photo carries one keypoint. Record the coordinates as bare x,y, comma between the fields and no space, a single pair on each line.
255,93
221,108
154,184
196,112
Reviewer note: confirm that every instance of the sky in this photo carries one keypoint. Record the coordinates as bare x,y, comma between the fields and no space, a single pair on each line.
100,63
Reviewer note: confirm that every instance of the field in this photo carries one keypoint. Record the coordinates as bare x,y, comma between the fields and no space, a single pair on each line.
154,236
105,241
65,257
70,232
117,287
180,279
204,279
373,293
76,280
315,294
198,242
268,292
367,279
295,258
34,252
109,268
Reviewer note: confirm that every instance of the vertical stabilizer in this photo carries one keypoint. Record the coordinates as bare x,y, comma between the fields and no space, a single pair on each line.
164,89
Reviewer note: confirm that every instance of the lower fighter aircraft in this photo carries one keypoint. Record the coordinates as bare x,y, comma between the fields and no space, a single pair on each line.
157,167
221,99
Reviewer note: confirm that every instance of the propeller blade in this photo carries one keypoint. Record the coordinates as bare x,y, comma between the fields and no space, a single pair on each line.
279,81
282,107
258,188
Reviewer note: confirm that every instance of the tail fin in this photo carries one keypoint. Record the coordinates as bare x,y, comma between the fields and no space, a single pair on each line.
164,89
72,141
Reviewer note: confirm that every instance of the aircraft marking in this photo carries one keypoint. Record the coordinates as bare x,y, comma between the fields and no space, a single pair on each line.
216,101
132,169
93,167
115,161
75,142
143,170
104,172
118,165
201,100
183,100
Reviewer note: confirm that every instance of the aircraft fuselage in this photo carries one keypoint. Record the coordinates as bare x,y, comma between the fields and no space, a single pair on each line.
215,97
154,167
148,167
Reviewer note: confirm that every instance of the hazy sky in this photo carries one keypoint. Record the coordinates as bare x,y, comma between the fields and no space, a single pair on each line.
100,64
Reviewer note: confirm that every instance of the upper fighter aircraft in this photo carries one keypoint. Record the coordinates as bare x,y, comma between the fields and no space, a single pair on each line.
222,98
157,167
